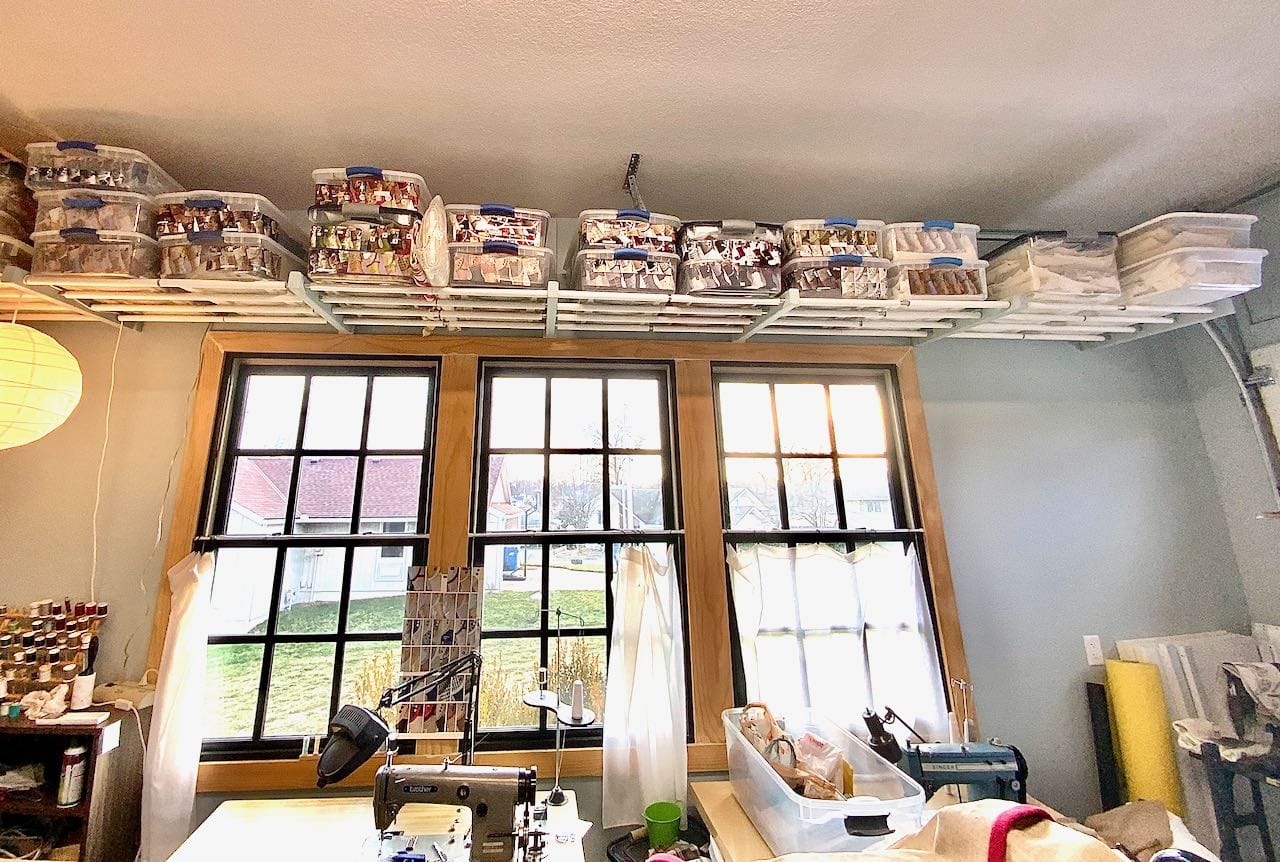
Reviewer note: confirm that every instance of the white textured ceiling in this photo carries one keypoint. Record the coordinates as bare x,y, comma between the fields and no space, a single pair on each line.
1083,115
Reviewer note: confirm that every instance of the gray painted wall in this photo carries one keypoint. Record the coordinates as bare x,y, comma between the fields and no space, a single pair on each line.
1075,487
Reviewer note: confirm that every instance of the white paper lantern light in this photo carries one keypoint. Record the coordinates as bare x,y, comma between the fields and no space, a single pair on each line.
39,384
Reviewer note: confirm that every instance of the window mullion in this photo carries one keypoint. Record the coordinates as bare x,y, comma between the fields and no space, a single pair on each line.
268,647
291,502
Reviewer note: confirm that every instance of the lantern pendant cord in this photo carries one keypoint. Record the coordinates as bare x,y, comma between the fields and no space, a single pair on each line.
102,461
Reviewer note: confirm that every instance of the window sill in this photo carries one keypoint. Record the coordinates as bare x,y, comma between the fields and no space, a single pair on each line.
241,776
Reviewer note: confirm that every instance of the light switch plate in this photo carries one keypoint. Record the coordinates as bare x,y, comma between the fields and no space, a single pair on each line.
1093,650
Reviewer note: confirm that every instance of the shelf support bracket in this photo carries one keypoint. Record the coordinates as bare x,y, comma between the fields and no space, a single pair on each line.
790,300
16,278
298,286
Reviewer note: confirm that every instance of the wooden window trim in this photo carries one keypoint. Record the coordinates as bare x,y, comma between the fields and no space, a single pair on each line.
699,476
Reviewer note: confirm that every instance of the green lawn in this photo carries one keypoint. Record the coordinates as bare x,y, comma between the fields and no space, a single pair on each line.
298,700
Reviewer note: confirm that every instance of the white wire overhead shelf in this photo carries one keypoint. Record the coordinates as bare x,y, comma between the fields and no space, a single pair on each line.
554,311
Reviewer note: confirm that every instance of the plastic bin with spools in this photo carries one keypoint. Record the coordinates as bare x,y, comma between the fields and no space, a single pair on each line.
880,799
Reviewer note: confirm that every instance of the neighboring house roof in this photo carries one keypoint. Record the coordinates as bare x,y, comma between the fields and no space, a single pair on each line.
325,487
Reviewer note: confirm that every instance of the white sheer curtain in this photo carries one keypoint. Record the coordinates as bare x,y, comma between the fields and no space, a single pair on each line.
839,633
644,709
173,751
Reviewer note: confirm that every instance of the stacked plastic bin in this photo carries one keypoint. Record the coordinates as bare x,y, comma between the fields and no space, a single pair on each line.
363,224
230,236
94,213
1055,267
498,245
1189,259
730,258
17,217
834,258
934,259
630,250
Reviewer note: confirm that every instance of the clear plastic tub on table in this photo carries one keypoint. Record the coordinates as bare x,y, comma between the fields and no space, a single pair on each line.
884,800
1183,230
204,210
16,200
15,252
99,209
1192,276
634,270
628,228
848,276
942,278
1057,267
362,251
475,223
84,251
225,256
361,189
815,237
499,264
922,240
60,164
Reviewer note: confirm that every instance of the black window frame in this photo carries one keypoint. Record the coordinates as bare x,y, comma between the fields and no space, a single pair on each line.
902,490
215,506
672,533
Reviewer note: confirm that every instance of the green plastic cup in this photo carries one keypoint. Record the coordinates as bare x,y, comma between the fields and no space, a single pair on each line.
663,820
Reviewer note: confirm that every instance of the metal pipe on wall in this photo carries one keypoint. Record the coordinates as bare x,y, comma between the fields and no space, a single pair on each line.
1226,335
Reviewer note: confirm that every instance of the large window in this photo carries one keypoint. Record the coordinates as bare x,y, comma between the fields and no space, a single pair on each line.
317,506
830,611
574,462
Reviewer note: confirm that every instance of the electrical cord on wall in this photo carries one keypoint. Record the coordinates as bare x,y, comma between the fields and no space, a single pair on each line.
137,718
102,462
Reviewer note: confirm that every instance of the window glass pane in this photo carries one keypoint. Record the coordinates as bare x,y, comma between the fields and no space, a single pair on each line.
865,483
298,697
509,672
379,577
335,412
746,418
389,498
811,492
311,591
515,493
369,669
241,595
837,677
575,413
802,417
259,494
859,419
272,406
827,590
517,412
231,689
326,493
398,412
635,492
778,676
752,487
886,584
634,417
580,658
777,597
899,663
577,500
577,585
512,586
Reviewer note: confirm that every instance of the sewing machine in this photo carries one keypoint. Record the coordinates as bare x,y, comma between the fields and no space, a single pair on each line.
982,770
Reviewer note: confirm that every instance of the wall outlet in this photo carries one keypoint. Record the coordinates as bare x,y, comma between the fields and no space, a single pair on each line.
1093,650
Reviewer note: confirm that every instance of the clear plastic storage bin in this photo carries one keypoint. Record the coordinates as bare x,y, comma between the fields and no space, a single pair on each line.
939,278
1192,276
15,252
362,189
884,800
745,243
628,229
99,209
725,278
226,256
484,222
922,240
848,276
200,211
363,251
1055,266
15,198
627,269
499,264
84,251
815,237
60,164
1184,230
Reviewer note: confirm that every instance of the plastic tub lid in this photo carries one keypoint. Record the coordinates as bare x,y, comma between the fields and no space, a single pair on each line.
497,209
817,262
1233,221
1204,253
833,221
213,200
162,178
627,254
88,234
328,175
627,215
92,198
1032,236
499,246
935,224
735,227
939,262
362,214
229,237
